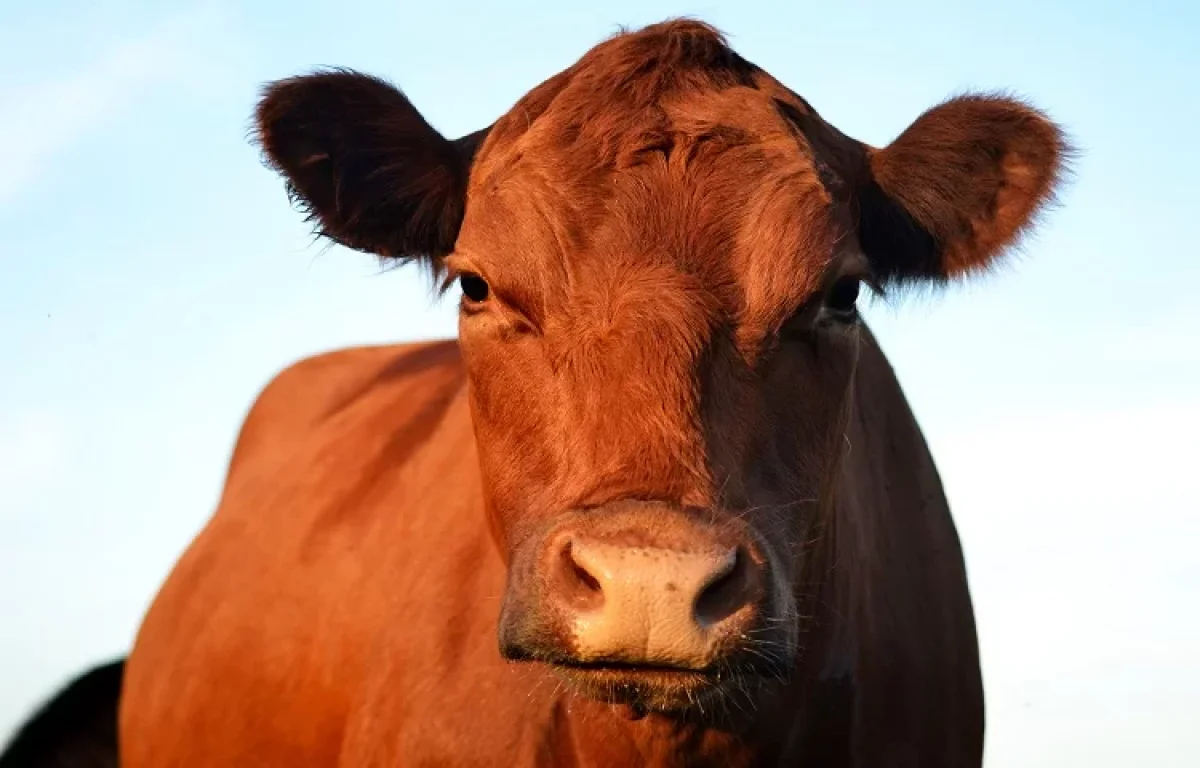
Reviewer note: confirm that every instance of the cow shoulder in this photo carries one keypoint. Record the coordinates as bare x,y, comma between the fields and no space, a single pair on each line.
308,392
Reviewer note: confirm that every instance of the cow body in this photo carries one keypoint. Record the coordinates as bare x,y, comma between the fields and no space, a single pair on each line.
340,608
662,502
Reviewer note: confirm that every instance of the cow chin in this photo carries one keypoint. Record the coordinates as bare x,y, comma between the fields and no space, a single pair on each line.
731,683
681,693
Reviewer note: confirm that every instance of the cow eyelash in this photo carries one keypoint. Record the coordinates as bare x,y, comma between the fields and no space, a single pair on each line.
478,295
841,299
835,305
475,289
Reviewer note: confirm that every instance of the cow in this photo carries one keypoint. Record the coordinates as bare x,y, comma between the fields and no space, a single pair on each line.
75,728
662,501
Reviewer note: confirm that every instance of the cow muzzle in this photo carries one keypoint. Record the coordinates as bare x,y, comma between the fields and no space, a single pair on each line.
645,601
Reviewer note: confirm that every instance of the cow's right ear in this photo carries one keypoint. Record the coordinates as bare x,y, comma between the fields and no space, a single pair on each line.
368,169
958,188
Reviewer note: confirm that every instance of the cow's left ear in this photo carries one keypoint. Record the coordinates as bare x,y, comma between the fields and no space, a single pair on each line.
957,188
365,165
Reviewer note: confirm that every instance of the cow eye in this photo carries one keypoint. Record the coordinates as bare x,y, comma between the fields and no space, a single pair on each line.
843,297
474,288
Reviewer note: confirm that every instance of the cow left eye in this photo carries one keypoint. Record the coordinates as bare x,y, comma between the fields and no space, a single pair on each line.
843,297
474,288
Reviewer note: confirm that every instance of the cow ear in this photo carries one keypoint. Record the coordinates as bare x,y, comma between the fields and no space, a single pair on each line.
367,168
957,188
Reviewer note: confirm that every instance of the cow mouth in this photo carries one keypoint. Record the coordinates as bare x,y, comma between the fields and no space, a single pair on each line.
640,689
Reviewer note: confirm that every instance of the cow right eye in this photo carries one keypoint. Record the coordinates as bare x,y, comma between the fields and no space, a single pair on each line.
474,288
843,297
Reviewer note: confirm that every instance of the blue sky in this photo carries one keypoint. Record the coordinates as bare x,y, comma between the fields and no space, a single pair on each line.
154,278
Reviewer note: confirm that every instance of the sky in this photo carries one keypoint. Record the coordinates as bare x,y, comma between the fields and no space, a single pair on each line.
153,278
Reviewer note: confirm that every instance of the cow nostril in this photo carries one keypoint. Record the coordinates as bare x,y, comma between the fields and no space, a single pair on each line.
579,585
726,592
587,580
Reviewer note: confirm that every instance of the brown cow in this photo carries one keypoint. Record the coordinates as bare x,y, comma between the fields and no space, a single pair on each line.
665,460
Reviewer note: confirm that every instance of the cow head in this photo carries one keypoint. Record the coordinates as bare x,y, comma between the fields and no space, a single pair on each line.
660,251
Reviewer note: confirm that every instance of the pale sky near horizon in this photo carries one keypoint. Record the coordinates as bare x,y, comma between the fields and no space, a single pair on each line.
154,278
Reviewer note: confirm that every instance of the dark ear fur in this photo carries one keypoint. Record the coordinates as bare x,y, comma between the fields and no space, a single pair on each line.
367,168
958,187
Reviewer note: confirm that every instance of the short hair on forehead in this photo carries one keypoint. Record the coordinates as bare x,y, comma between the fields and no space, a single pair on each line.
658,145
636,69
613,97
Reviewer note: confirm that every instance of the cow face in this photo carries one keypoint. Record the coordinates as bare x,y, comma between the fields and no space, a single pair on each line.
660,252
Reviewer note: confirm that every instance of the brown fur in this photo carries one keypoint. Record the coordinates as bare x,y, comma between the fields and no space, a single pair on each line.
661,360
